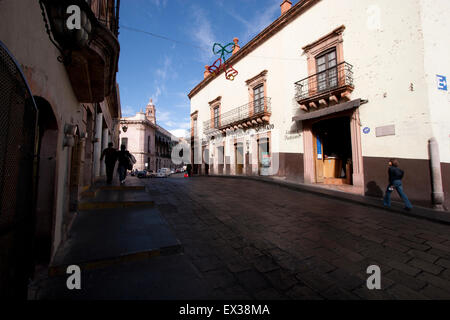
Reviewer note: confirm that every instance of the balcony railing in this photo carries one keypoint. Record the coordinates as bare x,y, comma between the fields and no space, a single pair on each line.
252,110
325,82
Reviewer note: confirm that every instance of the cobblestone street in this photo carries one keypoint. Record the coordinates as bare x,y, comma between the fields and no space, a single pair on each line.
254,240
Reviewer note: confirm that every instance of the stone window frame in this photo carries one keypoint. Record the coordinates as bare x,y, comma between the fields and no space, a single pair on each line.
216,103
252,83
334,39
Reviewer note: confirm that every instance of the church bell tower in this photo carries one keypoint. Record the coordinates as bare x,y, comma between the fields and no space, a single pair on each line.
150,112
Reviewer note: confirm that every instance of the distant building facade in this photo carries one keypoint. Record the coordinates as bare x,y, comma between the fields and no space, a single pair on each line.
146,140
329,92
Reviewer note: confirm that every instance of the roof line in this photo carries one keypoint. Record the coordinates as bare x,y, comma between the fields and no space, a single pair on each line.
259,39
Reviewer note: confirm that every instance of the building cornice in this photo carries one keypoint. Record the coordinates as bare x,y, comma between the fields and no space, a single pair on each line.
262,37
258,76
215,101
141,122
336,32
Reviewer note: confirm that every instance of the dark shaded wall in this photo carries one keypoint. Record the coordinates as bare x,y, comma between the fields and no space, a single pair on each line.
291,166
416,182
445,169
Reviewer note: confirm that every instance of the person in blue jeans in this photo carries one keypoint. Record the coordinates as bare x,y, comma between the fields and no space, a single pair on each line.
395,182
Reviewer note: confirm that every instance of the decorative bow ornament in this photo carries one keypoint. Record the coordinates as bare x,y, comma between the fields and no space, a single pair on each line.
220,64
223,50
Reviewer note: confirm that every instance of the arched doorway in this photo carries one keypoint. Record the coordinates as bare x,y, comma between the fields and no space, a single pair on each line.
47,150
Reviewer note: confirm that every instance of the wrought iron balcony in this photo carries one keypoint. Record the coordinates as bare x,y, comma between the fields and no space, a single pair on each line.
332,81
91,53
247,115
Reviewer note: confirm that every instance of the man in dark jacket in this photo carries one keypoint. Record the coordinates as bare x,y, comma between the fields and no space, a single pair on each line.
110,155
395,181
124,158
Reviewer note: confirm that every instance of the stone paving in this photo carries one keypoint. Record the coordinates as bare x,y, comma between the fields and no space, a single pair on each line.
251,240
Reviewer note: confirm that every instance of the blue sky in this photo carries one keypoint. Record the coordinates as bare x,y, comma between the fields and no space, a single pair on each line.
166,71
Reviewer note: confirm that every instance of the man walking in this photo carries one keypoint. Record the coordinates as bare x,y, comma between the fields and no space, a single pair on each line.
395,181
126,161
110,155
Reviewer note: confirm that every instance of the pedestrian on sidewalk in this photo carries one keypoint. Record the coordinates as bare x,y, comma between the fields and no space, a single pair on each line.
110,156
126,161
395,181
189,169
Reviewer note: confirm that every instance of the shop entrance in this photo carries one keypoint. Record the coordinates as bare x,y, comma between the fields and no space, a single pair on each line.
333,151
239,157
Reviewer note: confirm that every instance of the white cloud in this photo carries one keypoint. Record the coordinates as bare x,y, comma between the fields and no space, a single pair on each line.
180,133
128,111
163,116
261,19
159,3
170,124
157,94
202,33
166,71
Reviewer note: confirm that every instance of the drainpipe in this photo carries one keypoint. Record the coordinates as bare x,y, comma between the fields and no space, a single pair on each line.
437,193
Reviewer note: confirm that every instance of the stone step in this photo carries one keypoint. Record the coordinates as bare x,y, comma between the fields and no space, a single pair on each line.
115,236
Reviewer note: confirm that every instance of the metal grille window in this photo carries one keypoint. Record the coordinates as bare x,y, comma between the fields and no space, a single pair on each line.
216,117
258,98
327,70
18,172
195,127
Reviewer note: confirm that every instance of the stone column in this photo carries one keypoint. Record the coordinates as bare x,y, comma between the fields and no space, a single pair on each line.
357,158
98,143
105,140
437,192
308,156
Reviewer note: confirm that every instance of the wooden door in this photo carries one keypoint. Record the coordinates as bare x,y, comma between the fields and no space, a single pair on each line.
318,157
239,158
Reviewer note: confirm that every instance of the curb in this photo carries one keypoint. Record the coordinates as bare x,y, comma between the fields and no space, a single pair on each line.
442,217
122,188
87,206
60,270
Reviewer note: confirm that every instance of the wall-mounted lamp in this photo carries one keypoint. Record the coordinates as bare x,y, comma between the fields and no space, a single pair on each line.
70,129
125,128
69,141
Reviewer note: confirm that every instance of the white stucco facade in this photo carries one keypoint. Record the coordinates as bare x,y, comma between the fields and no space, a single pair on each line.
396,49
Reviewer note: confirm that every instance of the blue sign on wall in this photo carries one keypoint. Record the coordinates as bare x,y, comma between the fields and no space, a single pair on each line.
442,82
319,149
366,130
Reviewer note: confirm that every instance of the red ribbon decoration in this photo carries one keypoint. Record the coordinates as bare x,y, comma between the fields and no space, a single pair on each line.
231,73
217,66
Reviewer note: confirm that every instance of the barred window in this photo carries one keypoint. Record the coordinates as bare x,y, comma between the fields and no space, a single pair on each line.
258,98
216,117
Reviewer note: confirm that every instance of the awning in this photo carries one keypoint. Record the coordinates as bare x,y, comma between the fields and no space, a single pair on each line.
329,110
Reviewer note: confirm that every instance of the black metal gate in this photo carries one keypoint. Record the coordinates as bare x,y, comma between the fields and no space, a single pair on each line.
18,123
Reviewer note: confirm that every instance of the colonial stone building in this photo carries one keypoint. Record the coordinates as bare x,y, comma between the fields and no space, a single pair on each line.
328,92
146,140
71,77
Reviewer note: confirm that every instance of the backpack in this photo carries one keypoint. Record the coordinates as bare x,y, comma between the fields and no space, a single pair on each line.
131,160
